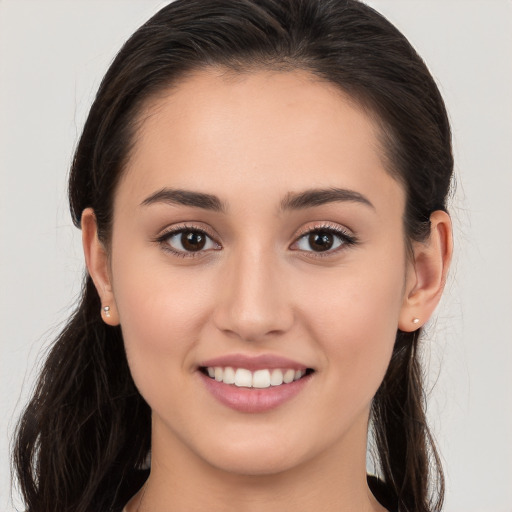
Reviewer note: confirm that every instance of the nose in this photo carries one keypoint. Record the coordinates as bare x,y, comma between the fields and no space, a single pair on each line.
254,303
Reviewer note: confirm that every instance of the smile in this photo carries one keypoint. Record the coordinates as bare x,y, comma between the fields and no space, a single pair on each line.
260,379
254,383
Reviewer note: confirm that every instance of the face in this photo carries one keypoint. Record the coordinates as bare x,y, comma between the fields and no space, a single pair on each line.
258,237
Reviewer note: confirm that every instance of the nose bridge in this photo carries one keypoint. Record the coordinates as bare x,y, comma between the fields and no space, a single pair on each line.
254,299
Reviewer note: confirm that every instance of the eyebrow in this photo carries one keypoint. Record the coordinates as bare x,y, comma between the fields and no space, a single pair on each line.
292,200
318,197
186,198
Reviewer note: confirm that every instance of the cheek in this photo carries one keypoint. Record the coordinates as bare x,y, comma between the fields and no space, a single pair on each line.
160,309
355,320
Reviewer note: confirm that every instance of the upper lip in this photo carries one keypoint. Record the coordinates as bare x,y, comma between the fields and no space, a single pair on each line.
253,363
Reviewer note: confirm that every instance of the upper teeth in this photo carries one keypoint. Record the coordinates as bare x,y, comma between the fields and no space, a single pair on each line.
258,379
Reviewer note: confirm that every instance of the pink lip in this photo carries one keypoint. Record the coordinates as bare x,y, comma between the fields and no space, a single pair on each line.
251,400
253,363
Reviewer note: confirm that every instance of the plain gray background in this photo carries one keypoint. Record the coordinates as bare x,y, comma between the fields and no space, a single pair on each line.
52,57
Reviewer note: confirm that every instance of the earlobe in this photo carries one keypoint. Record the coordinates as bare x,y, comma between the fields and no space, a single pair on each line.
428,273
96,259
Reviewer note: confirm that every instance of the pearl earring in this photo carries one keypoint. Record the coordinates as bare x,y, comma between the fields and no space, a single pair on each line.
106,310
415,320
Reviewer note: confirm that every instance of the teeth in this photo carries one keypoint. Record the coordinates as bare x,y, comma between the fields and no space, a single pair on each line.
288,376
229,375
243,378
259,379
276,378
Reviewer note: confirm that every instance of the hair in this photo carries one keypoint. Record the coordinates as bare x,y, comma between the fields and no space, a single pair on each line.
86,432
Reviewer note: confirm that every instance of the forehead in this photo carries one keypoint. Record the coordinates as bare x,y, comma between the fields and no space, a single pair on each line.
273,132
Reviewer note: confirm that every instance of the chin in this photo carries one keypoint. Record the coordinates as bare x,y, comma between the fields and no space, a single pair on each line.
263,464
254,457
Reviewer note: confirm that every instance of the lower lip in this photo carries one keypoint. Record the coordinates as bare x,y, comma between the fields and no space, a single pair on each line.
253,400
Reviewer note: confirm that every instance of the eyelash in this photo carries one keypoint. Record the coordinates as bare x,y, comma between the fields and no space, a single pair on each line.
162,240
345,238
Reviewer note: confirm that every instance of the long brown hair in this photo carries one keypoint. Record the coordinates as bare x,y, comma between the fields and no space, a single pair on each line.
86,430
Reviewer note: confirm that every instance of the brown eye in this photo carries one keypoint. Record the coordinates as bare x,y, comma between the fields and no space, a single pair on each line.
193,240
321,241
186,241
326,240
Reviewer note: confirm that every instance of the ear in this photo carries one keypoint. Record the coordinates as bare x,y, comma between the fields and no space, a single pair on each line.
96,259
426,275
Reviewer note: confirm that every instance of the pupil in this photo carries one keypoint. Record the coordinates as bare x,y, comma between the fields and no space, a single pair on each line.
192,240
321,241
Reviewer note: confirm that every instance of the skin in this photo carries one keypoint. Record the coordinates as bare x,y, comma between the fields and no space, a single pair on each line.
252,140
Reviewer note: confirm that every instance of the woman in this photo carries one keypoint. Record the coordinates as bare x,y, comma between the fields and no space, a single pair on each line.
261,188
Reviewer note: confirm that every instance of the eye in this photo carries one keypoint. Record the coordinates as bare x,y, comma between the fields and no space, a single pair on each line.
323,240
187,241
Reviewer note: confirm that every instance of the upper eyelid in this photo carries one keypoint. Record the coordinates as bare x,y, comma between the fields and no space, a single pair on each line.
327,226
347,236
303,231
175,229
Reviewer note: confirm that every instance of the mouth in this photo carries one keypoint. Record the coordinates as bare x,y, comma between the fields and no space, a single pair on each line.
257,379
254,383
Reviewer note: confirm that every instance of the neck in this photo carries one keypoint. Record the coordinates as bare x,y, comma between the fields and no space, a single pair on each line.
334,481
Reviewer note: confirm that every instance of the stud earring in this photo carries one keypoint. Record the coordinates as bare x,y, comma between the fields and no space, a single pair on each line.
415,320
106,310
